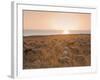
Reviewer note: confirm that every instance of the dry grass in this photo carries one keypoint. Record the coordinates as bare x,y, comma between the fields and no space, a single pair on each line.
56,51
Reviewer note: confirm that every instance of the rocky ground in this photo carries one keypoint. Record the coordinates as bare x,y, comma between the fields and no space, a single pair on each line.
51,51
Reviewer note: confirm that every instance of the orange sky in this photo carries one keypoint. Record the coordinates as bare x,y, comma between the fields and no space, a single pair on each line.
54,20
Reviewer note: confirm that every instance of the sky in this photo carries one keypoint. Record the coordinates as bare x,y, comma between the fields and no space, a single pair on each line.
39,20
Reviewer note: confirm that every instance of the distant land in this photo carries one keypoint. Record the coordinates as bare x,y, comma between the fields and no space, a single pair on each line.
52,32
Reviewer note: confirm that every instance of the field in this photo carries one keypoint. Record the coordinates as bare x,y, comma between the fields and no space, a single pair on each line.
50,51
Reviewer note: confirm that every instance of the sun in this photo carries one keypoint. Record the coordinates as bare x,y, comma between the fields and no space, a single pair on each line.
66,32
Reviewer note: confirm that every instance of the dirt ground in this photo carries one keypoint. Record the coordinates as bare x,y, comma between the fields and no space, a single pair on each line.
49,51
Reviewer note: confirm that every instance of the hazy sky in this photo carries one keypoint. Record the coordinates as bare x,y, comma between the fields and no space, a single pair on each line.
56,20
